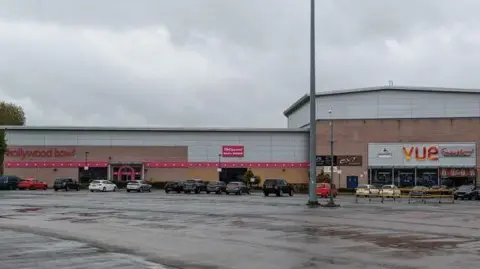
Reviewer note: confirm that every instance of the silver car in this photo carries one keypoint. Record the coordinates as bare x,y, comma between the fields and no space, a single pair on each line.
138,186
237,188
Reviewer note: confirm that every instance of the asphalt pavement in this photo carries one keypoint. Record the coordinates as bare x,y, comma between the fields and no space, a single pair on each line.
46,229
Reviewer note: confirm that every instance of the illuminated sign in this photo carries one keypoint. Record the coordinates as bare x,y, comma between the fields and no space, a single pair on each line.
420,153
40,153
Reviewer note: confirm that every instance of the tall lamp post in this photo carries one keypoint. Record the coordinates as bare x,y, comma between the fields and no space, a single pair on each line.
312,195
86,161
219,169
331,202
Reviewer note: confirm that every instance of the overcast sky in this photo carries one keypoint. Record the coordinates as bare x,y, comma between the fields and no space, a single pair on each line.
230,63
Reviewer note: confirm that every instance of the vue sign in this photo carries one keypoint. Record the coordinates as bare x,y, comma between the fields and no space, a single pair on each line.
421,153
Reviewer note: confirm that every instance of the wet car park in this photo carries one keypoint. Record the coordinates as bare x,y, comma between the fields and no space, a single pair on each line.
120,230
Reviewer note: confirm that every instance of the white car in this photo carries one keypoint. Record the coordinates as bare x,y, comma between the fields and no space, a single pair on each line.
138,186
390,191
366,190
102,185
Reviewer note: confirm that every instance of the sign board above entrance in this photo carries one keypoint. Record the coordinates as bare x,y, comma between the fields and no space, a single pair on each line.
448,155
233,151
28,153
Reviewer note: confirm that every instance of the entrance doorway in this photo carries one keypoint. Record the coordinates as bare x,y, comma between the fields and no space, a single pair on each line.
232,174
126,172
85,176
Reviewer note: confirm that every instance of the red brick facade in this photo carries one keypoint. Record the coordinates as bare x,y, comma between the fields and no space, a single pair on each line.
351,137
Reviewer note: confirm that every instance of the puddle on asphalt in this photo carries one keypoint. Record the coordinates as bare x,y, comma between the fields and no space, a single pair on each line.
27,209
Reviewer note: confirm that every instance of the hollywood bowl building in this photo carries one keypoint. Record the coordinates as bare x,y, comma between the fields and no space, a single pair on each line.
384,135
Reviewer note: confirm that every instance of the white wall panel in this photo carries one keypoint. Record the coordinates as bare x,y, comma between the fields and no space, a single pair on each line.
390,104
202,146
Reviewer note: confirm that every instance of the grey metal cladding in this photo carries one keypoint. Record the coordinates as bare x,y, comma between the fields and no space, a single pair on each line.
203,146
392,104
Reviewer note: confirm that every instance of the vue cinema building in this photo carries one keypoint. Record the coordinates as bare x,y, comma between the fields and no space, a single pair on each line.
401,135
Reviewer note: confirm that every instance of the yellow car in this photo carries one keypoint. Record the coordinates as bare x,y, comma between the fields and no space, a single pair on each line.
390,191
366,190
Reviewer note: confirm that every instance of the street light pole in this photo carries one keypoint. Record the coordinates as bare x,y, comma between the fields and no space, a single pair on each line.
331,202
312,195
219,169
86,160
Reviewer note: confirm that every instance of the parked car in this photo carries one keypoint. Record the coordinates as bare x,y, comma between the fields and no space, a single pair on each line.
102,185
32,184
217,187
237,187
390,191
323,190
277,186
466,192
366,190
194,185
138,186
176,186
65,184
418,191
9,182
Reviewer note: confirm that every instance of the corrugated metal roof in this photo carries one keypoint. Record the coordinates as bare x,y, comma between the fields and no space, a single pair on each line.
152,129
306,98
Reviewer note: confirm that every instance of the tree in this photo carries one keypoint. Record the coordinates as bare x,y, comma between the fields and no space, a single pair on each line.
10,114
322,177
247,176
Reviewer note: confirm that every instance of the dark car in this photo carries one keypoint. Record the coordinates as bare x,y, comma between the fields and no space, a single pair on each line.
217,187
237,187
176,186
466,192
277,186
9,182
65,184
194,185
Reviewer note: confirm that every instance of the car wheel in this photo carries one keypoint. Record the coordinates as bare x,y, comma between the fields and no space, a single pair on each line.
265,193
149,189
78,189
227,193
114,189
91,190
290,193
280,192
208,192
66,188
104,189
129,191
219,192
197,191
139,190
178,191
187,191
55,189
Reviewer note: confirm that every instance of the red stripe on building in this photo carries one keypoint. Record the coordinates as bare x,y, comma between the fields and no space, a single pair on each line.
12,164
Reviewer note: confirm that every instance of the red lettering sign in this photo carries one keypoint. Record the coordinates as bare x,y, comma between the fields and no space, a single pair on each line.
40,153
233,151
421,153
456,152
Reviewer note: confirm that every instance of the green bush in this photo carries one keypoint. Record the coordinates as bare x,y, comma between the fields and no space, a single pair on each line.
345,190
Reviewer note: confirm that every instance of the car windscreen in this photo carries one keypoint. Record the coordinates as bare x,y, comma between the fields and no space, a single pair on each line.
191,181
362,187
270,181
133,182
58,180
214,183
96,182
465,188
321,185
233,184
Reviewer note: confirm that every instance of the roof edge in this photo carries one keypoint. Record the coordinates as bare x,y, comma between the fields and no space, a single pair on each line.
304,99
150,129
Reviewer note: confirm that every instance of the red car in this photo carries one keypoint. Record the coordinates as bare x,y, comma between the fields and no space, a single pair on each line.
324,189
32,184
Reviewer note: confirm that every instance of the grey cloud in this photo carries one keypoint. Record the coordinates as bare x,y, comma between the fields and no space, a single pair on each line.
220,63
